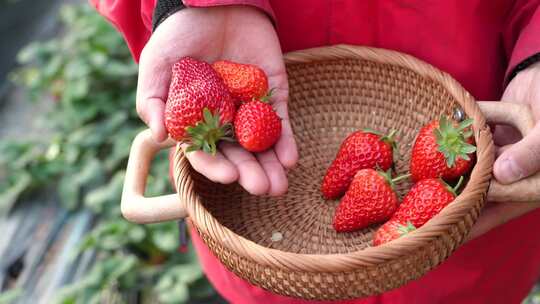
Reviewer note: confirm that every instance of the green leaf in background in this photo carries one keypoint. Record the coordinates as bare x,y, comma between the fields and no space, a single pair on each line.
179,293
90,79
10,296
9,196
69,190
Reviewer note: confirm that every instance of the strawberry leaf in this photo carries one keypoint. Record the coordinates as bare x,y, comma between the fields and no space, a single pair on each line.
207,133
405,229
452,140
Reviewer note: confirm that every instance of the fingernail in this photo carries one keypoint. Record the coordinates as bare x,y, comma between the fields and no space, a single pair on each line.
510,171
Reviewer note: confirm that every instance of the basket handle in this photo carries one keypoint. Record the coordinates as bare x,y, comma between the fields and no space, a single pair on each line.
520,116
134,205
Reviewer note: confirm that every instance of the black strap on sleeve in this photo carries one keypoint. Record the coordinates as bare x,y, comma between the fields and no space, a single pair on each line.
523,65
163,9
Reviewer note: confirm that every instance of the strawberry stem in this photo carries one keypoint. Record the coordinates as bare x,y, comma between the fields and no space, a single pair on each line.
400,178
453,190
388,177
458,185
266,98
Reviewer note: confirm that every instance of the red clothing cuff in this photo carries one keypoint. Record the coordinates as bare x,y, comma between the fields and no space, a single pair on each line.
264,5
527,44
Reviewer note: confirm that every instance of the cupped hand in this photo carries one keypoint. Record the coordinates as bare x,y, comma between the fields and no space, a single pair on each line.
238,33
519,160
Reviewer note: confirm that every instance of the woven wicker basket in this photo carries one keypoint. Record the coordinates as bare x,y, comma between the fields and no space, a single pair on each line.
287,244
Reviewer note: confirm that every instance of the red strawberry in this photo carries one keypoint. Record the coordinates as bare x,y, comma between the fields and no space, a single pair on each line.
257,127
442,149
392,230
425,200
196,88
245,81
360,150
370,199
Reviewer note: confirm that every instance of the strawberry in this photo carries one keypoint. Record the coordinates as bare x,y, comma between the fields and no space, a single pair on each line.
199,108
392,230
442,149
245,81
370,199
425,200
257,127
360,150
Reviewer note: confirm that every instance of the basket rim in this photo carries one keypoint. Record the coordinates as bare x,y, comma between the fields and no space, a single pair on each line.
438,226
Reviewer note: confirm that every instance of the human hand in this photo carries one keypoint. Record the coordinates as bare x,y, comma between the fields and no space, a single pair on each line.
521,158
238,33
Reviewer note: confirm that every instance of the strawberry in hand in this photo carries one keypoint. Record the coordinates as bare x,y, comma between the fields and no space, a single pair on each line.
246,82
199,108
256,125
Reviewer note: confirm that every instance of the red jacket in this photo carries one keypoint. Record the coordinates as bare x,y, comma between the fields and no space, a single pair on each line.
476,41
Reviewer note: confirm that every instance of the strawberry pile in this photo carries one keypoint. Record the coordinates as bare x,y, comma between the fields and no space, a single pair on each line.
361,174
208,103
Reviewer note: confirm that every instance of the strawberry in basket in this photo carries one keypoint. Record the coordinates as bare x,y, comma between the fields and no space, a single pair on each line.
369,200
199,107
392,230
360,150
425,200
443,148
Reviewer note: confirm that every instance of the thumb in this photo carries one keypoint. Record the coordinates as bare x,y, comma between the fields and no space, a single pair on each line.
520,160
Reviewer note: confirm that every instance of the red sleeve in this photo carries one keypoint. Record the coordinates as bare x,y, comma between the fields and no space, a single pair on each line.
522,34
133,19
264,5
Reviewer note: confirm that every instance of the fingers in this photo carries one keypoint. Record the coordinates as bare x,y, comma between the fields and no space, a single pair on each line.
152,113
505,135
274,172
251,175
286,149
520,160
152,89
216,168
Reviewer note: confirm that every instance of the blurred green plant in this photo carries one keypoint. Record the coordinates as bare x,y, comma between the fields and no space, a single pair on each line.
534,296
89,74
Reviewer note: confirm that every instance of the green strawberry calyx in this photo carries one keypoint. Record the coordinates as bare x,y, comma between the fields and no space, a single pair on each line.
452,140
392,181
454,190
405,229
207,133
266,98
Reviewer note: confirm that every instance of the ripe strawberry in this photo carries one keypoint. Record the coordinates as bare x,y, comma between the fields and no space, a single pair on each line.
442,149
370,199
360,150
257,127
392,230
425,200
245,81
199,107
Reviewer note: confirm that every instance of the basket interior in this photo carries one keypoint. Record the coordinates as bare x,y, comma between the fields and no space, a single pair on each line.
328,100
